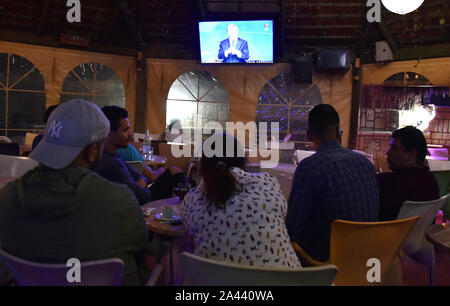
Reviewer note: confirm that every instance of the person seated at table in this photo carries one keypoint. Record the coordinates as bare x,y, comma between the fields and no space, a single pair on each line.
334,183
61,209
130,154
114,168
39,137
235,216
410,179
173,132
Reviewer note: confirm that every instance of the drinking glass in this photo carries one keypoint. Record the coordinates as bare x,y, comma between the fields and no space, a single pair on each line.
181,190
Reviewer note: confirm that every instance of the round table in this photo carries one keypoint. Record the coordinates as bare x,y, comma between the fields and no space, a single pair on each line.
156,226
169,231
439,235
157,161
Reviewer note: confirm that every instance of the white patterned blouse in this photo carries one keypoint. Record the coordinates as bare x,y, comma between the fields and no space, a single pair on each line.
250,230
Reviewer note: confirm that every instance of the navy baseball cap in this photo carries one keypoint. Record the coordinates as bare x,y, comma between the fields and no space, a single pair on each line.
70,128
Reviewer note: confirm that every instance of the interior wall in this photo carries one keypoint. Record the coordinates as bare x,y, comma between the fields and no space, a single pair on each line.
436,70
243,84
55,63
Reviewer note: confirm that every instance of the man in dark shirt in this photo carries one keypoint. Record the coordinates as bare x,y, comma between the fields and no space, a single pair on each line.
410,179
334,183
114,168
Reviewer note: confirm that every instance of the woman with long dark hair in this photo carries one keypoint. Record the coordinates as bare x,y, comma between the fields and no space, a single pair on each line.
236,216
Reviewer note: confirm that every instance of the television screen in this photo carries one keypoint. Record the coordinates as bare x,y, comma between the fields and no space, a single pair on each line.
236,42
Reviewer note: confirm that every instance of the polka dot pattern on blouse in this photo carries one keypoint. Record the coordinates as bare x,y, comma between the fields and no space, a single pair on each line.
250,230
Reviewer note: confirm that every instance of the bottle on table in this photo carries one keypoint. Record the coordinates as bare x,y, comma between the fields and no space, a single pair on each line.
147,147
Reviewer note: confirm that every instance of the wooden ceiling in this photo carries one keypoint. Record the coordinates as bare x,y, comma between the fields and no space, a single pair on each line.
167,28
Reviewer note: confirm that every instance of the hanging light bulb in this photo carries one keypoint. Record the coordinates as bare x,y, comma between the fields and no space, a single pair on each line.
402,7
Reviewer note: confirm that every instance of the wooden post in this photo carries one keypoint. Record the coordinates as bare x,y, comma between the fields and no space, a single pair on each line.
140,120
356,91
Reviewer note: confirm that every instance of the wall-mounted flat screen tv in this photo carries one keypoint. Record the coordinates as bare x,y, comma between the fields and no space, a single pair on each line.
236,42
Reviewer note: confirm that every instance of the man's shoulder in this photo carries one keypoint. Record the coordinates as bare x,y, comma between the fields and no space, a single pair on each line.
107,189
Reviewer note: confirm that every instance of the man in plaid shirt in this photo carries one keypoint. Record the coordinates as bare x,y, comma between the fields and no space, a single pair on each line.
334,183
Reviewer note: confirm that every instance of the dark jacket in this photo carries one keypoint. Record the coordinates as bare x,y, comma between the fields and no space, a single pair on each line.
405,184
51,215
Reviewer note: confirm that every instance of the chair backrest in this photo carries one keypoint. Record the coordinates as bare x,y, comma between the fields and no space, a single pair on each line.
29,137
354,243
136,165
15,166
183,162
427,212
4,139
105,272
10,149
200,271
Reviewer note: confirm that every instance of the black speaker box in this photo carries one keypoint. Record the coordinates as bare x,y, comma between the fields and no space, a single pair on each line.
303,70
328,59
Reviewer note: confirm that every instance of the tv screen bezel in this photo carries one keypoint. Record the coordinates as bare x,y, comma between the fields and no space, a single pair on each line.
275,38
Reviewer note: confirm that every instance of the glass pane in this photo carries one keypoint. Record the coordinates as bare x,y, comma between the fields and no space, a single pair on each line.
185,111
213,112
85,71
299,124
3,67
111,87
103,73
191,81
267,113
218,93
25,110
179,92
18,67
67,97
33,81
305,95
73,84
269,96
2,109
109,101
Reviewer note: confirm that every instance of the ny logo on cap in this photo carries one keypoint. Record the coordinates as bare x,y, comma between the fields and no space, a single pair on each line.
55,129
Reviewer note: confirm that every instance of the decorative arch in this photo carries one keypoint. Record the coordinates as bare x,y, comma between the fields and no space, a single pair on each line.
281,100
22,96
197,95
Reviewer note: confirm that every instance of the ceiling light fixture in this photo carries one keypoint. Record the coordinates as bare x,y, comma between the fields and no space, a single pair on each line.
402,7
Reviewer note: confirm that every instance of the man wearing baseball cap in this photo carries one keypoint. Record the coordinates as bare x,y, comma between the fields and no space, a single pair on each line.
61,209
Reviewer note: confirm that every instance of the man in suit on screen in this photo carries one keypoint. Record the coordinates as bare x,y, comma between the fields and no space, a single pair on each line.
233,49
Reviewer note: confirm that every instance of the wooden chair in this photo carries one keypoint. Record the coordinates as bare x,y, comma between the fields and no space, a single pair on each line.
200,271
105,272
352,244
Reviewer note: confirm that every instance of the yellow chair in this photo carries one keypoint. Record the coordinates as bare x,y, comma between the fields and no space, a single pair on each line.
352,244
29,137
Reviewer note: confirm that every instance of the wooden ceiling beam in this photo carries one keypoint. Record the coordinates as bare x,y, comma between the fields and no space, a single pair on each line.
134,31
43,15
406,54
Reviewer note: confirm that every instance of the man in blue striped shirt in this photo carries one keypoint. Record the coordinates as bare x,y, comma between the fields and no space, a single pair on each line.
334,183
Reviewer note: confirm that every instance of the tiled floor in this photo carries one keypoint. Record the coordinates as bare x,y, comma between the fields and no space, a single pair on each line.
416,274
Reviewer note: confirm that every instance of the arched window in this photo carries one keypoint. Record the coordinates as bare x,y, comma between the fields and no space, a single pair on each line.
403,79
281,100
93,82
197,95
22,96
